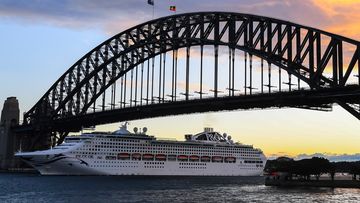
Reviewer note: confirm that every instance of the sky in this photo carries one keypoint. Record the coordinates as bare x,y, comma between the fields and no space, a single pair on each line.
41,39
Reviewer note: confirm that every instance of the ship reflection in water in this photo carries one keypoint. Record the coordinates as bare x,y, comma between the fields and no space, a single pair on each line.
35,188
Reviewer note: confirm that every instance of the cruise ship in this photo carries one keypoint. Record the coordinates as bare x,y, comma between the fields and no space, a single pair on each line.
135,153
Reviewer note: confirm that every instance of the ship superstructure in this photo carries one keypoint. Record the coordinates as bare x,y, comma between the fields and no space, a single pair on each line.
124,153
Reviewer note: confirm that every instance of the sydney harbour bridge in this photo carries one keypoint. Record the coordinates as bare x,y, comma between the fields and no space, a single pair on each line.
199,62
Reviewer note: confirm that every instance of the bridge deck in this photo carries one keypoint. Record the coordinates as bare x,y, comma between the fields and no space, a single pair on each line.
300,99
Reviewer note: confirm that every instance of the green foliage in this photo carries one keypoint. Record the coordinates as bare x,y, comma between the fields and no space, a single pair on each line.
347,167
314,166
281,164
305,167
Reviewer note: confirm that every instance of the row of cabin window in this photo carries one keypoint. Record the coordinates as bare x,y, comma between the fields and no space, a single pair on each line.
201,164
113,166
105,153
116,140
170,149
114,154
152,163
110,144
179,160
153,166
252,162
192,167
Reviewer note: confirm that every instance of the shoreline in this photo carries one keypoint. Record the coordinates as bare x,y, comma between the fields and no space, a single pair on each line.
313,183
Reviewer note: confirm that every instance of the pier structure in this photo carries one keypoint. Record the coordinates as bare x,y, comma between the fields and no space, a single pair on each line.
9,141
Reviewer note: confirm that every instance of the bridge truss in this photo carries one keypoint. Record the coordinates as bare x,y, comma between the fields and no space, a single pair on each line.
198,62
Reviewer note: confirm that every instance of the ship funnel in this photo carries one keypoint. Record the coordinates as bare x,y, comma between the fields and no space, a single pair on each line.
208,130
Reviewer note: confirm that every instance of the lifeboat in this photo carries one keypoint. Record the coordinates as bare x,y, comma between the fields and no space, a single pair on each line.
182,158
160,157
123,156
217,159
148,157
136,156
205,159
194,158
230,159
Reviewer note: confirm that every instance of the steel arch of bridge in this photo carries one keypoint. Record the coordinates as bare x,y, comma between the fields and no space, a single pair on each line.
301,51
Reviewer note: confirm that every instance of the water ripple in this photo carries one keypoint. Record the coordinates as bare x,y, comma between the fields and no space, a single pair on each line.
34,188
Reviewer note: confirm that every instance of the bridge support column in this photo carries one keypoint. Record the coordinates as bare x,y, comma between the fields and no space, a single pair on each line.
8,139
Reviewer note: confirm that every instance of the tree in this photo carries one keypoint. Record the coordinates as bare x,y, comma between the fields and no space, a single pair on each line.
304,168
332,170
281,164
354,169
348,167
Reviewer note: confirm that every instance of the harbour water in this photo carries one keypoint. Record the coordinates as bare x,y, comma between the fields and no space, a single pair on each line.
36,188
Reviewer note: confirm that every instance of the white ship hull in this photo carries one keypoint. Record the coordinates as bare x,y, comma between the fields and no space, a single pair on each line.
75,166
123,153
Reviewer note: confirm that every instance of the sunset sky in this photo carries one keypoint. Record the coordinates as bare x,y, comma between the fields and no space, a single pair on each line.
41,39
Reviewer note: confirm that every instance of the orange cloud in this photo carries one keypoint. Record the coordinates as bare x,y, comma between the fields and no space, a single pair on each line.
192,86
344,16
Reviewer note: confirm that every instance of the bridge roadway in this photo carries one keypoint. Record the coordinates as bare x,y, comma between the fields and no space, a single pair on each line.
321,99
